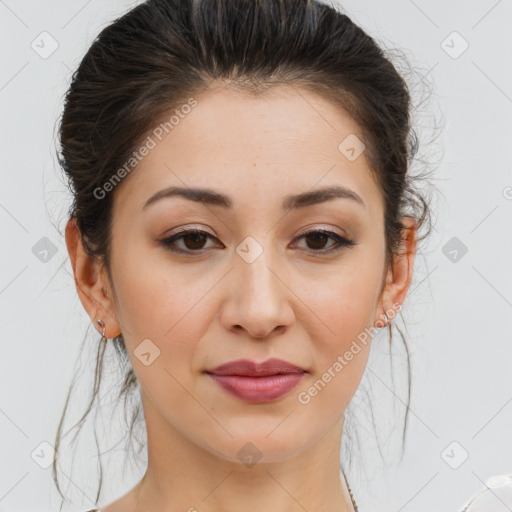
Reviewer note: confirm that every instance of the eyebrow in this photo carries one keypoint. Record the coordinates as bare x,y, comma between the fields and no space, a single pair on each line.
211,197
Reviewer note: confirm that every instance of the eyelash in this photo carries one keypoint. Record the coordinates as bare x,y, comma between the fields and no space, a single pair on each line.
341,241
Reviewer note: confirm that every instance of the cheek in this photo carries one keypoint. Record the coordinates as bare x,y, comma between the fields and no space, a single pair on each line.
156,298
168,306
171,306
341,309
341,342
343,298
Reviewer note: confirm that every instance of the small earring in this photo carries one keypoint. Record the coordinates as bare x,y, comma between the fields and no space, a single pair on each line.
101,323
378,322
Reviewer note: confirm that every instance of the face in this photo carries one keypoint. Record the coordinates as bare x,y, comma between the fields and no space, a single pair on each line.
262,276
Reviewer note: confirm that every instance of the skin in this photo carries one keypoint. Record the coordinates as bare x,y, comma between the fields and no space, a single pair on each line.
206,308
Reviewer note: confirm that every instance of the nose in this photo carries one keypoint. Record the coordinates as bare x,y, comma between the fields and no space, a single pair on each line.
259,298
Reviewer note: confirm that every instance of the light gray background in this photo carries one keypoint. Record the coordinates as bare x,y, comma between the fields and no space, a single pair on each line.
459,330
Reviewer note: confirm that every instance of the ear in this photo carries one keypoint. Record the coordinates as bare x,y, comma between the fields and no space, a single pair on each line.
91,283
399,275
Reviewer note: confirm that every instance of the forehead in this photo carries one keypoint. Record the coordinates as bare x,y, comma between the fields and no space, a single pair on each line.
284,141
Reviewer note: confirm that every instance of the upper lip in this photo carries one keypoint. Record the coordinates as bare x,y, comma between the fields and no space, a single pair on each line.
248,368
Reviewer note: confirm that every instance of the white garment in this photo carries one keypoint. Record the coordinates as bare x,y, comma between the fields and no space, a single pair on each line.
495,497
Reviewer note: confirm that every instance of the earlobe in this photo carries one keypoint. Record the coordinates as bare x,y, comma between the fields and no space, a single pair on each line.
399,277
90,282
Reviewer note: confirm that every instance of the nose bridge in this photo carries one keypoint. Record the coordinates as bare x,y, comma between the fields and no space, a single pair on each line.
255,270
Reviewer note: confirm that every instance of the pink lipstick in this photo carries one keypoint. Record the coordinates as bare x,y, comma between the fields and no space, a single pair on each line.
257,382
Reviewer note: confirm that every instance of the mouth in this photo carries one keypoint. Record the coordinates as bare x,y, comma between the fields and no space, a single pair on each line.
255,382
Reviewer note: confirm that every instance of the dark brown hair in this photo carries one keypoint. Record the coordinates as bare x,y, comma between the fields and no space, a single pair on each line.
152,59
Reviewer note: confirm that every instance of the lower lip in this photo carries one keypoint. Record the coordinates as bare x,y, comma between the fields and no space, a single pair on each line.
258,389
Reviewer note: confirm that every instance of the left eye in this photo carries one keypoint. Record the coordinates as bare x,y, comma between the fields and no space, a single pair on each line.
194,240
320,236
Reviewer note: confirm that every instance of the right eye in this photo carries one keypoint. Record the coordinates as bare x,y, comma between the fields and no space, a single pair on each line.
193,240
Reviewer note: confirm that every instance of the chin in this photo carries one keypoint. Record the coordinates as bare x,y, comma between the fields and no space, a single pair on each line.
257,446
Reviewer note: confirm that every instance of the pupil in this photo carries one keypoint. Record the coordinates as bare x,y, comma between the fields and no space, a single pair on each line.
316,237
194,237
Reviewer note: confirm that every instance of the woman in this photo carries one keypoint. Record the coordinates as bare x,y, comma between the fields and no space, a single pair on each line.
243,223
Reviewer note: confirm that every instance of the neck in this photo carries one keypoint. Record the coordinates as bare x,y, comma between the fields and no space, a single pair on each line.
184,476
